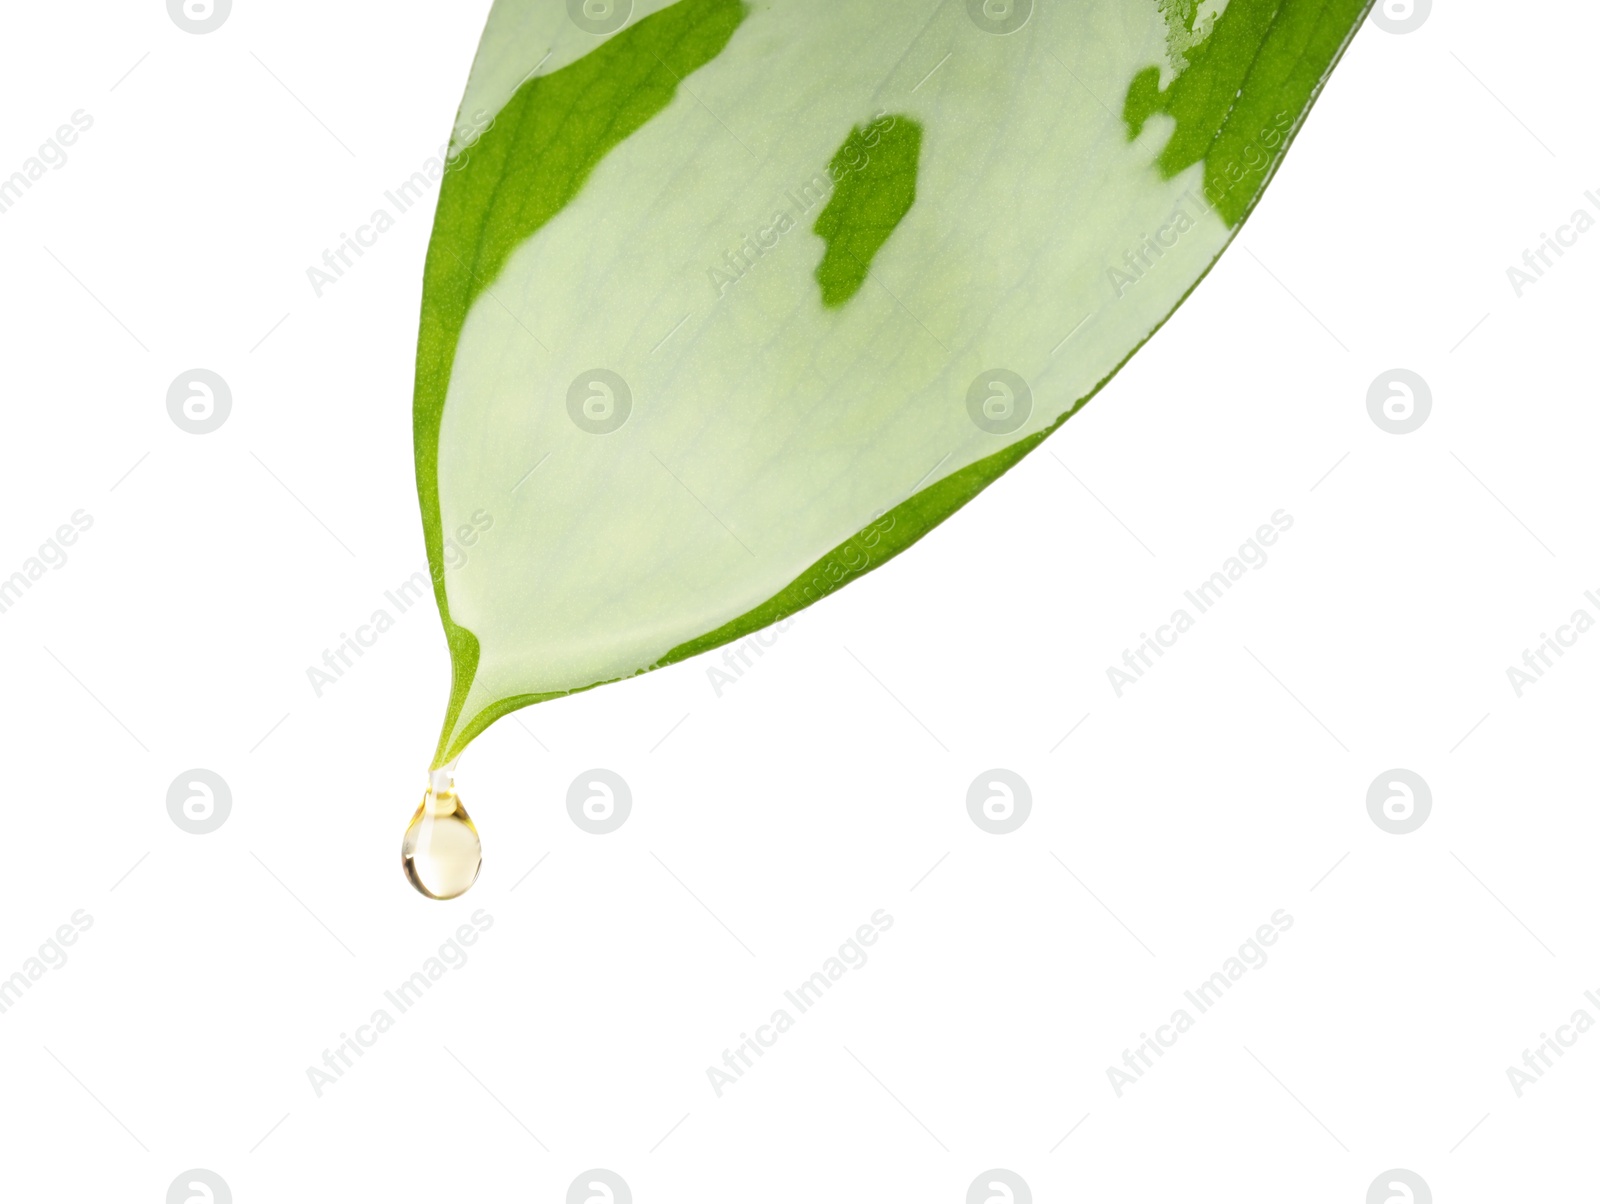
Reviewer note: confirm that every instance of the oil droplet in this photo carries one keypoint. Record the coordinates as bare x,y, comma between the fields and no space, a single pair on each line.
441,853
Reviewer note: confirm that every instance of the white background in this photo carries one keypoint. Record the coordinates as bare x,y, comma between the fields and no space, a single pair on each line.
831,780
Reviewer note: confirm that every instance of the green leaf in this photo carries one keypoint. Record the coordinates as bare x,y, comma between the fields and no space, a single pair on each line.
707,334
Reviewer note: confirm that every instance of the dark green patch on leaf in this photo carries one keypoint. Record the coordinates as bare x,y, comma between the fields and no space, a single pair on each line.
876,174
1244,91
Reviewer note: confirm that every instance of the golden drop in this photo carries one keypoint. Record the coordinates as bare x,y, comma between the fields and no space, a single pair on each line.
441,852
